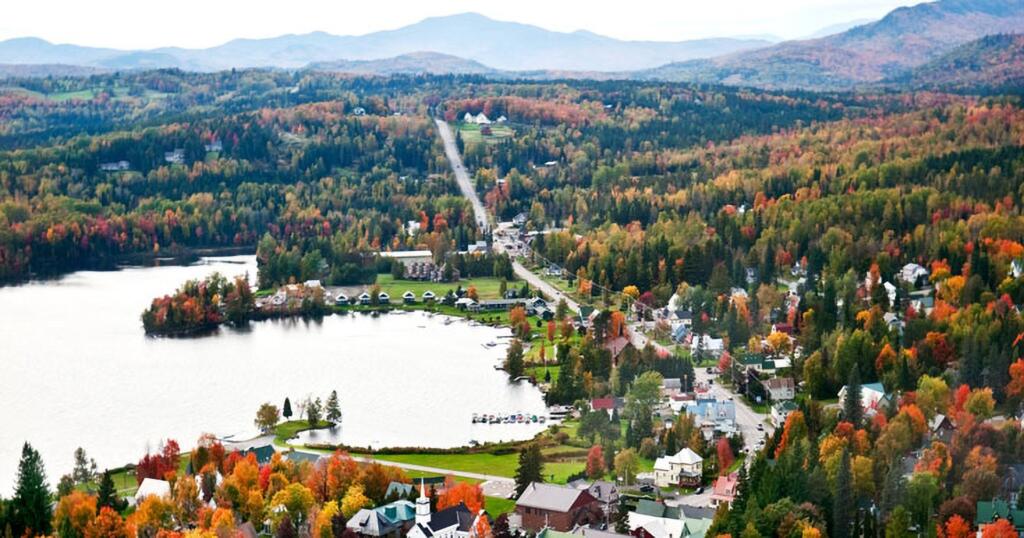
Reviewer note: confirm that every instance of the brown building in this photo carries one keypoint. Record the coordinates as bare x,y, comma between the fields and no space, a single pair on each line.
557,507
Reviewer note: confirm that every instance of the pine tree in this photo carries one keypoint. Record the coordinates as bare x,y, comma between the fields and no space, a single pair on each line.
313,409
31,502
738,509
333,408
842,499
622,519
107,494
852,407
531,467
287,409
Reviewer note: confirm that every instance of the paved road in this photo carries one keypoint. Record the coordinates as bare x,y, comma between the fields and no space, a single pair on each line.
746,418
462,176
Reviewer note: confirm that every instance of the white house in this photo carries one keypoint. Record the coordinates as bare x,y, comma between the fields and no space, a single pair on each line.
781,411
683,468
710,346
481,119
152,486
452,522
871,395
780,388
913,274
428,296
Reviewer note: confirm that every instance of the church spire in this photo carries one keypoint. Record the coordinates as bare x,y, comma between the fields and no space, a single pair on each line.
422,506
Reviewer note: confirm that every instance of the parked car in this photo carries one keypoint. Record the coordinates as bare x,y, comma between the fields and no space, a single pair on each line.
647,488
760,427
699,490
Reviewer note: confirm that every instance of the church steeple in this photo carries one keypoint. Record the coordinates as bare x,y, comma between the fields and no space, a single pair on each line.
422,506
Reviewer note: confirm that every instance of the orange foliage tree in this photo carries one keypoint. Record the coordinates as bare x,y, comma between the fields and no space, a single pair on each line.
472,495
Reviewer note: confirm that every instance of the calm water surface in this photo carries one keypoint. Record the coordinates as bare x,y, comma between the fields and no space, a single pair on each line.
77,370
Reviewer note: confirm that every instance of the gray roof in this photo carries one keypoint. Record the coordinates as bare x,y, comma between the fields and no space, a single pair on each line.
370,523
549,497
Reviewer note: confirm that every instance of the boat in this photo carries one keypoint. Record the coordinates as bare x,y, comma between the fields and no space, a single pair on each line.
491,344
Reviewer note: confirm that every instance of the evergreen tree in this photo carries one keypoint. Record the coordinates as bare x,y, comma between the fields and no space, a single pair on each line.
622,519
842,500
333,408
853,410
531,467
739,503
107,493
313,409
287,409
31,502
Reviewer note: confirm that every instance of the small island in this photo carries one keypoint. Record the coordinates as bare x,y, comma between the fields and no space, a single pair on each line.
200,306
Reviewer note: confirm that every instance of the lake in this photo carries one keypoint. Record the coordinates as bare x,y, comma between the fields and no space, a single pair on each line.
77,370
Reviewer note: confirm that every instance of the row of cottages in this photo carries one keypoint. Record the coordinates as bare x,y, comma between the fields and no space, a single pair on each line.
534,306
684,468
383,297
653,519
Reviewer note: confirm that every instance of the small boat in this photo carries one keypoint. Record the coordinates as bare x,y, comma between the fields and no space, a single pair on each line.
542,419
491,344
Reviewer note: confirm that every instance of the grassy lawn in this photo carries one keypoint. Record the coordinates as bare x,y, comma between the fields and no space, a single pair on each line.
483,463
486,287
470,133
496,506
286,430
538,373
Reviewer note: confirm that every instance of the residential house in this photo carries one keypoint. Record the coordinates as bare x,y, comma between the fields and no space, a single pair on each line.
364,298
702,345
264,453
605,492
780,388
409,256
341,299
940,428
383,298
152,486
780,411
683,468
711,415
409,297
559,507
398,490
369,523
725,490
608,405
465,303
872,396
519,220
175,157
913,274
671,386
214,146
481,119
429,297
615,346
655,520
119,166
992,511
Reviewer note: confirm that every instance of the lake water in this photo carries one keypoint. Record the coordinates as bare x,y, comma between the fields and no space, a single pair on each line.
77,370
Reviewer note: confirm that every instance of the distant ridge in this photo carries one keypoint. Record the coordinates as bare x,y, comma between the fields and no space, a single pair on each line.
991,63
497,44
905,38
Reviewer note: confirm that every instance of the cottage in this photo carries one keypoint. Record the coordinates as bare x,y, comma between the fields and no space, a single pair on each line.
481,119
780,388
671,386
465,303
409,297
429,297
152,486
364,298
558,507
684,468
940,428
703,345
341,299
383,298
119,166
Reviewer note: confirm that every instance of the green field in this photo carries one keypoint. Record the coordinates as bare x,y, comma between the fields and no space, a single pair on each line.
470,133
486,287
483,463
496,506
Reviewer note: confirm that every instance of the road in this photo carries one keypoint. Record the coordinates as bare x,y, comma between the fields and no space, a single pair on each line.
746,418
462,176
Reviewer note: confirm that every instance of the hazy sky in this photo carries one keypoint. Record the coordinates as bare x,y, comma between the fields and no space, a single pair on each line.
203,23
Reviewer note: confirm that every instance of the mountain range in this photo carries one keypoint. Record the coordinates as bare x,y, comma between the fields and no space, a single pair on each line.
904,39
496,44
909,46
